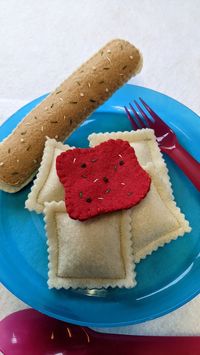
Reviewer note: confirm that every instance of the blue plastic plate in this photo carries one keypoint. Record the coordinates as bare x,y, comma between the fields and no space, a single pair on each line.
167,279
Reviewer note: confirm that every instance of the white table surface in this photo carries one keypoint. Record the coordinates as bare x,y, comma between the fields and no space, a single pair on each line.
44,41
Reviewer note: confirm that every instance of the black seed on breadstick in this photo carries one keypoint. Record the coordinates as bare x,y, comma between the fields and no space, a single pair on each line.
64,110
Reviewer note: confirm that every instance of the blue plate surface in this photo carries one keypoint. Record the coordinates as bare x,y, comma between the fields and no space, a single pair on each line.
167,279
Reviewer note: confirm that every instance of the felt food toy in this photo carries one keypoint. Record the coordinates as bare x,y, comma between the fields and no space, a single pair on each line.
156,220
102,251
103,179
143,141
61,112
94,254
47,187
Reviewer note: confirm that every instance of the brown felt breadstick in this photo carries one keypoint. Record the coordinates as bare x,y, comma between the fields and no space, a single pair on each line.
63,110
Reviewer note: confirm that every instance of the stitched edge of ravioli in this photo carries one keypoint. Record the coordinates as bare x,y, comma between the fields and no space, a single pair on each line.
32,203
144,134
52,243
184,227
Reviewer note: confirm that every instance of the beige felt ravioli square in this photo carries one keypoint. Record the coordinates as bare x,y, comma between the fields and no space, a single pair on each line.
156,220
46,186
92,254
144,143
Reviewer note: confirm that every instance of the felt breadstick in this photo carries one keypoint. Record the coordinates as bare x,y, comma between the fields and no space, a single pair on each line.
63,110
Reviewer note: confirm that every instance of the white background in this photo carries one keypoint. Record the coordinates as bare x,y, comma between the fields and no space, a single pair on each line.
41,42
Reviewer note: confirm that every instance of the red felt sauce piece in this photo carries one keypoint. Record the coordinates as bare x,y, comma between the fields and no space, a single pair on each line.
102,179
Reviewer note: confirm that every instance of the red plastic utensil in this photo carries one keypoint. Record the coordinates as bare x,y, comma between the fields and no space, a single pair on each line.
29,332
166,139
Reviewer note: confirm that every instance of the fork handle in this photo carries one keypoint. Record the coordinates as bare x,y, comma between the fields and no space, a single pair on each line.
186,163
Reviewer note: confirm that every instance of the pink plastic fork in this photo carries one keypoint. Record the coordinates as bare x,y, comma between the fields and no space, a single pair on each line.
166,140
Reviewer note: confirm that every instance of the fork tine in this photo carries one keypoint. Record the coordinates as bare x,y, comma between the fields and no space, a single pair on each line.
137,116
148,122
153,114
134,125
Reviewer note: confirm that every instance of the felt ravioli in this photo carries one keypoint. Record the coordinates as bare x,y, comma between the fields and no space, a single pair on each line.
46,186
102,179
156,220
94,254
